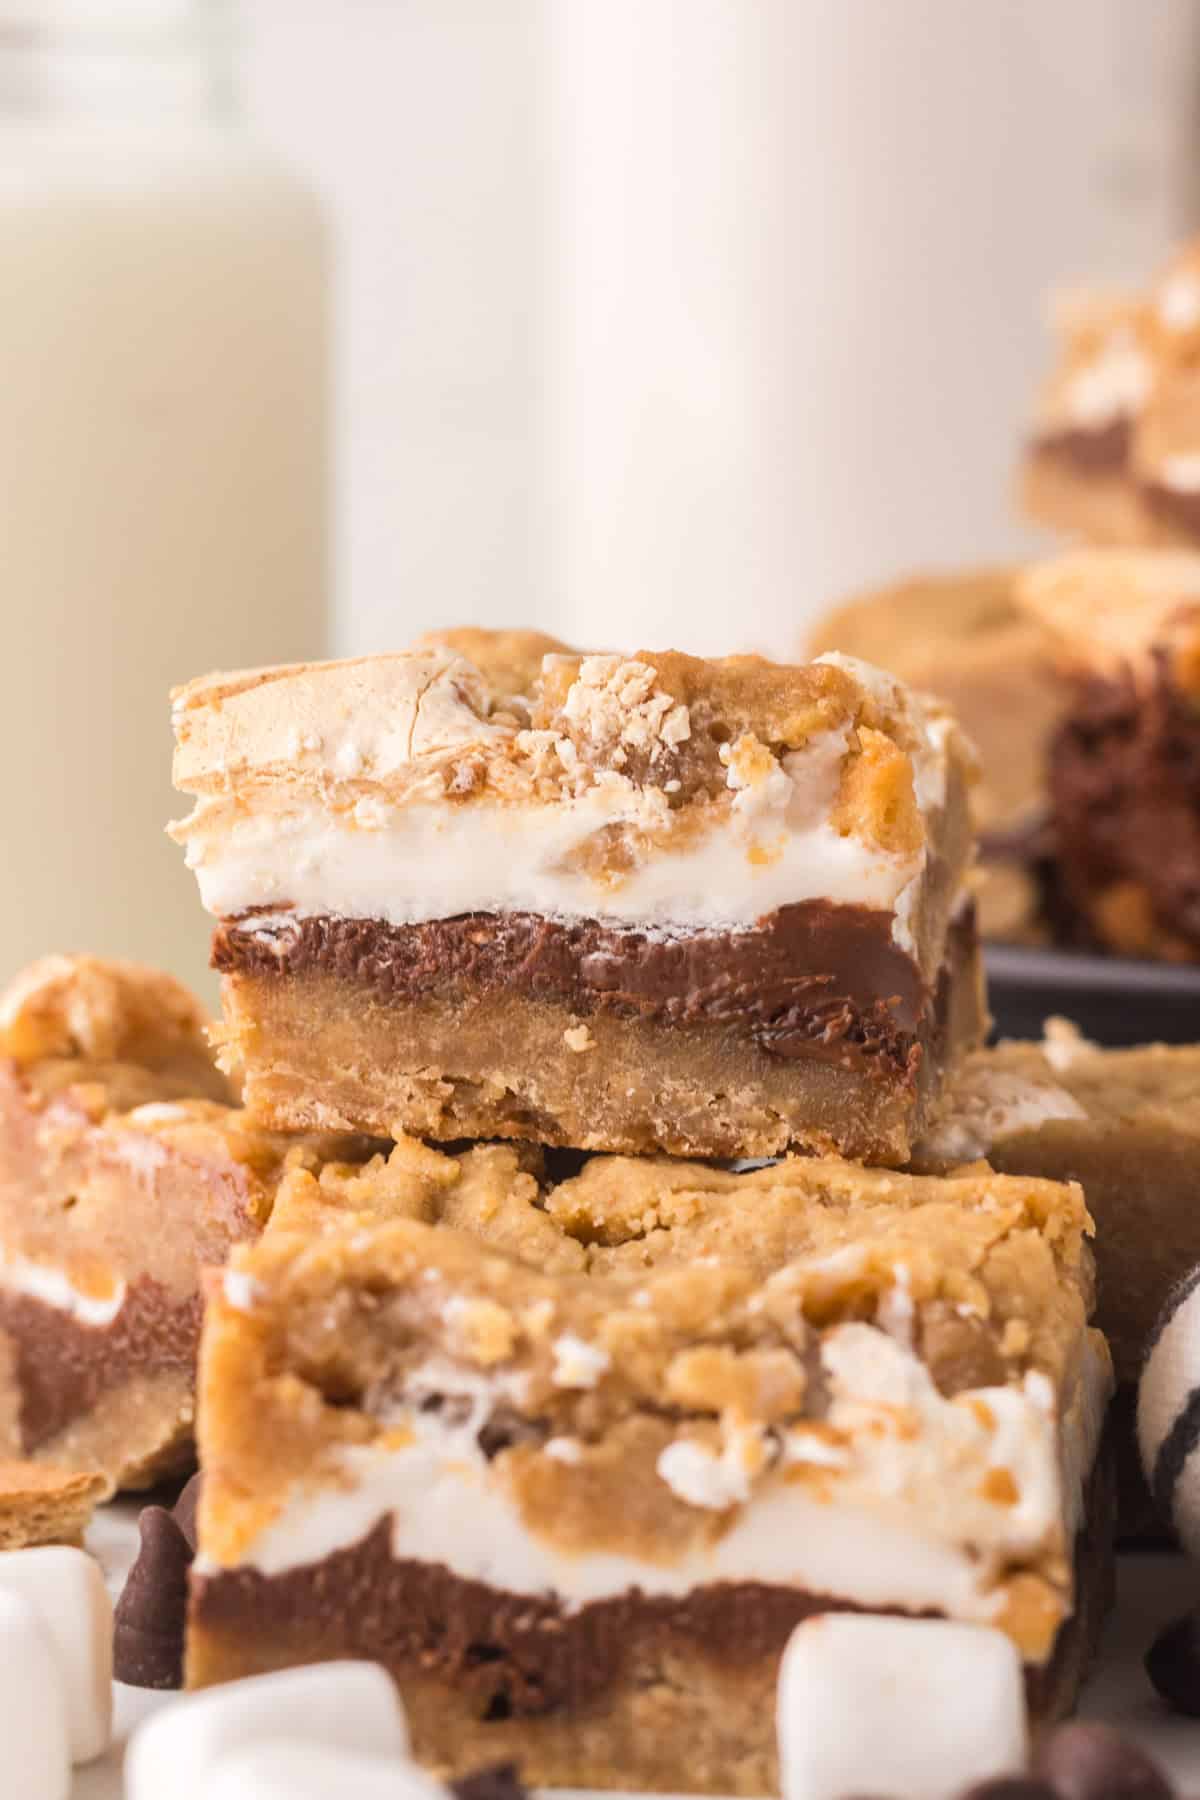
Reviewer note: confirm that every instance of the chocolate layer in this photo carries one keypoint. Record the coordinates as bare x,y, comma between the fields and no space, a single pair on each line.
811,975
513,1656
63,1367
1104,451
1125,794
517,1655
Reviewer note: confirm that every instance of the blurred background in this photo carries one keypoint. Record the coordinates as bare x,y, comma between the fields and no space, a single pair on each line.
638,320
684,314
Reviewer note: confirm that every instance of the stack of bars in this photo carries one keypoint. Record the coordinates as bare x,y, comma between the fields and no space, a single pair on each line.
583,1332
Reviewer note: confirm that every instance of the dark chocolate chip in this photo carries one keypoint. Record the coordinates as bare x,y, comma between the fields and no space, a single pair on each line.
1173,1665
1088,1761
148,1625
184,1510
506,1428
499,1781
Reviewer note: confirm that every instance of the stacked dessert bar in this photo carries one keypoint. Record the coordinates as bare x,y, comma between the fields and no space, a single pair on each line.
572,1458
1114,457
571,1412
709,908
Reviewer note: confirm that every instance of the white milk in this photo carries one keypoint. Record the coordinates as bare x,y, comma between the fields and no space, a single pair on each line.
163,467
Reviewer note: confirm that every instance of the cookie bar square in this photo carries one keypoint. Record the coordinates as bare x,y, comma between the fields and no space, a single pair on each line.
1114,456
572,1445
1125,1124
125,1167
1124,628
644,903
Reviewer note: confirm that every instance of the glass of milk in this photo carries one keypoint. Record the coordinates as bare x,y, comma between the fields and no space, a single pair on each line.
163,449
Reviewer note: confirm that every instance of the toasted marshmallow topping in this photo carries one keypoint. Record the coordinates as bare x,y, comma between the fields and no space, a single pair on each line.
402,788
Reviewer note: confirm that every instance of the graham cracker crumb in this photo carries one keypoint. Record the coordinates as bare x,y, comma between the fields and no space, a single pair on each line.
877,801
42,1504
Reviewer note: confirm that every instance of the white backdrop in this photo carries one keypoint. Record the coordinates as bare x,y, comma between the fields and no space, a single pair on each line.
669,319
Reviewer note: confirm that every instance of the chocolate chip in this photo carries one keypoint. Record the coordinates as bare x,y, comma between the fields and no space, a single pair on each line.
184,1510
148,1625
506,1428
499,1781
1084,1761
1173,1665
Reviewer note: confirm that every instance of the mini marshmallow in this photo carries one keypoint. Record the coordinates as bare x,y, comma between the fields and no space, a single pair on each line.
286,1771
67,1592
917,1709
332,1706
35,1760
1168,1412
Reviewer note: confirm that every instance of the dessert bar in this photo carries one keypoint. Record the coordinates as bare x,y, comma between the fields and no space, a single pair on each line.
571,1445
1114,456
649,902
1125,1124
124,1168
961,636
1124,765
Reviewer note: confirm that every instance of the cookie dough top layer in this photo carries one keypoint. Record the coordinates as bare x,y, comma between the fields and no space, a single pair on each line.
657,789
651,1373
1120,615
685,1241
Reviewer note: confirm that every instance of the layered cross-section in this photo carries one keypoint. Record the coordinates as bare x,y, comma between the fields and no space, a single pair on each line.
125,1168
572,1453
643,903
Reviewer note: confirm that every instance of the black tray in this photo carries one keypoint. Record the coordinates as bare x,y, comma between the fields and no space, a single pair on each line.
1112,999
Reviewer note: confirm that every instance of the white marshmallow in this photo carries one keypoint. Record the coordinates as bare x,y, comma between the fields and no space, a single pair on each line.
1168,1412
916,1709
286,1771
66,1590
35,1761
335,1705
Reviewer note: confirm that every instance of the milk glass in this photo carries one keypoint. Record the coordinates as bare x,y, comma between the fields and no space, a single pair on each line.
163,450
